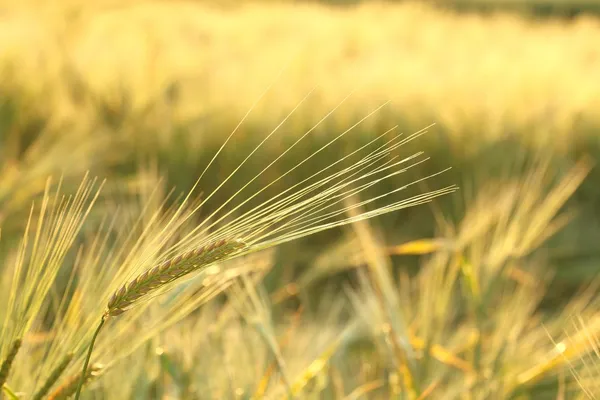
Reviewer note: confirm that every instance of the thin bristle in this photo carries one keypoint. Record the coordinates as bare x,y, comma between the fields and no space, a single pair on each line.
169,271
54,375
8,361
67,390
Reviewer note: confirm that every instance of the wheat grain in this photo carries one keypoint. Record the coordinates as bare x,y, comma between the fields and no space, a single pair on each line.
169,271
8,361
53,377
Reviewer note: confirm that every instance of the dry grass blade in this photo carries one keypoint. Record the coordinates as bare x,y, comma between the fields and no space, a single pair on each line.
54,375
314,369
442,355
68,389
428,390
8,361
168,272
419,247
364,389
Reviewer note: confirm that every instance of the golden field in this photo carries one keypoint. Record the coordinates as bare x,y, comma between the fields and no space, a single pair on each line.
487,292
465,72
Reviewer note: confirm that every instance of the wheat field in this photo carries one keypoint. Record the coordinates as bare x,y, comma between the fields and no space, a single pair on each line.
464,72
247,200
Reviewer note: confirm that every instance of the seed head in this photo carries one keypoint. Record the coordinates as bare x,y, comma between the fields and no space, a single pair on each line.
169,271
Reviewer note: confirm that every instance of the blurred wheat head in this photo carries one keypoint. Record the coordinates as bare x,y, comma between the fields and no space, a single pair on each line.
472,323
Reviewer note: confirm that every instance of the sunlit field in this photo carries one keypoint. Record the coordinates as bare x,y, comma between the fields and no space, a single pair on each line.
247,200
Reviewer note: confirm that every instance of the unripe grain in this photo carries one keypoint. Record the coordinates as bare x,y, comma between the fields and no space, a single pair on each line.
169,271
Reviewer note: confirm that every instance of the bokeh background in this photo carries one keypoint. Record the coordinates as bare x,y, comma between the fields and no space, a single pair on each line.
512,88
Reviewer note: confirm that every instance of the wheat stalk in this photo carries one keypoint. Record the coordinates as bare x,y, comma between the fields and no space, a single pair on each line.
8,361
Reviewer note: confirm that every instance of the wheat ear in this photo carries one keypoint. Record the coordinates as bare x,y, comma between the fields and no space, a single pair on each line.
67,390
53,377
167,272
8,361
157,277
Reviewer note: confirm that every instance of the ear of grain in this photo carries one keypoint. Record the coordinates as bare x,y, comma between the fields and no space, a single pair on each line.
68,389
53,377
169,271
8,361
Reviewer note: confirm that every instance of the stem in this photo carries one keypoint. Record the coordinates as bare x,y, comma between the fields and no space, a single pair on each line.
87,358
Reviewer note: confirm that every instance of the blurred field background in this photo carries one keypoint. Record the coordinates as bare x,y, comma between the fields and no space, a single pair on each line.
137,88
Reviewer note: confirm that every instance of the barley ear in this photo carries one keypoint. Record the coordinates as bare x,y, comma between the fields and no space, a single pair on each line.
8,361
53,377
169,271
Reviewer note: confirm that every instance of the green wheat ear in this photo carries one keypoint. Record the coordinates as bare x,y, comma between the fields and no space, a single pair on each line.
167,272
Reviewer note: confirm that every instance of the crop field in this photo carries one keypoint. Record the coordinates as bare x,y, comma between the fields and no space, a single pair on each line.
278,199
